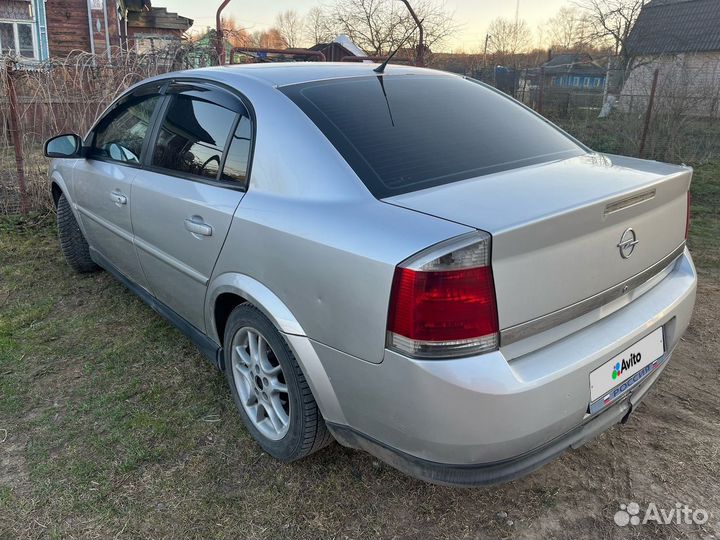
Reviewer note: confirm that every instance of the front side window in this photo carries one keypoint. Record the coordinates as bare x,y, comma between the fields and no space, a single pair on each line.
120,135
193,136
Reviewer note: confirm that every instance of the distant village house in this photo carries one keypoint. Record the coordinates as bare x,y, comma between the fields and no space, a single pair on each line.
681,39
574,71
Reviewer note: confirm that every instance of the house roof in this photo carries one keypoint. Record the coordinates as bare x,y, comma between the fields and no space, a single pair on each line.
322,46
349,45
572,63
675,26
343,41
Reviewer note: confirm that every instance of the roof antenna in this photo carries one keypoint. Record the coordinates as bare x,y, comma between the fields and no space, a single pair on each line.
381,68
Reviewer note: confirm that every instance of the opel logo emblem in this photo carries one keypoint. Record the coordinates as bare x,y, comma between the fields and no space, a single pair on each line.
627,243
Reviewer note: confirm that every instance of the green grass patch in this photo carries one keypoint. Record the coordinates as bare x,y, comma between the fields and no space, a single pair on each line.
99,386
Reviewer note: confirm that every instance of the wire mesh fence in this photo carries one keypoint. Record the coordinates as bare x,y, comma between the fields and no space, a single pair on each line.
611,111
63,96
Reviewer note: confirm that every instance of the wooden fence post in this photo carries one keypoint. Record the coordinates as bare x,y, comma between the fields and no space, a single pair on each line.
541,90
648,112
15,135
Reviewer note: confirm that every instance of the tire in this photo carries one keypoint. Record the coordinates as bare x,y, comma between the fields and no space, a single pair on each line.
72,242
306,431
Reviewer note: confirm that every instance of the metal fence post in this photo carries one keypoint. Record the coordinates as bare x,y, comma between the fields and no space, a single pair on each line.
648,113
541,90
219,36
15,135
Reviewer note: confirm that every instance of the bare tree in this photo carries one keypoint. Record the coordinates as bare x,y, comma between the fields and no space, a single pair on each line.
290,26
508,39
569,30
318,26
269,39
437,22
612,20
235,34
374,25
379,26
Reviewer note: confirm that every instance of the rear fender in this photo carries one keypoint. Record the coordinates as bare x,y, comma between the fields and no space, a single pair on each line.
268,302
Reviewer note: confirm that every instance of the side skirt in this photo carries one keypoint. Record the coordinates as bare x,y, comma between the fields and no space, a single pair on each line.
210,350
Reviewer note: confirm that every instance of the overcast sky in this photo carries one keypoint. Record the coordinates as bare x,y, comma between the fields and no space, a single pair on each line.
473,15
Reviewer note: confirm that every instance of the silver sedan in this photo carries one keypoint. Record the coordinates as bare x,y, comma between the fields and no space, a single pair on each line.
407,261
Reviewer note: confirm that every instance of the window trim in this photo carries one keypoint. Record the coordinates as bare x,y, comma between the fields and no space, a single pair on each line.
163,85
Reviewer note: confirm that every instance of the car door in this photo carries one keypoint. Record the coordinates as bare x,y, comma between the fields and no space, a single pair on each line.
102,181
185,196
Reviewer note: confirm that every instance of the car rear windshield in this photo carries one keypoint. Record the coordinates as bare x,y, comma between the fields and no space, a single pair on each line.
403,133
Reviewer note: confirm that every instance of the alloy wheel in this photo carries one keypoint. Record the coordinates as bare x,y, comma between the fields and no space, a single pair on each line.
260,383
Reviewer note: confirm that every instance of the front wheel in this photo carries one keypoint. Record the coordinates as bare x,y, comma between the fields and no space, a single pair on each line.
72,242
270,389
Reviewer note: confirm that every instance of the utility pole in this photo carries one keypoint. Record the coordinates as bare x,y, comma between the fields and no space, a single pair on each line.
516,39
487,39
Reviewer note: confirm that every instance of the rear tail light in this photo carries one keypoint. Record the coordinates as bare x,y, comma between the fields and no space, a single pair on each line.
687,215
442,303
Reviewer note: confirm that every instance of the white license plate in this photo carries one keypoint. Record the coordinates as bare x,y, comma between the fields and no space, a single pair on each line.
627,369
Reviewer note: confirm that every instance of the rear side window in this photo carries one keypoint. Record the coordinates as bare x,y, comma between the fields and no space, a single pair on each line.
120,135
193,136
238,154
403,133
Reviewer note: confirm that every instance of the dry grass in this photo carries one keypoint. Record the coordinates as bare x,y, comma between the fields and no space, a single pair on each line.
112,425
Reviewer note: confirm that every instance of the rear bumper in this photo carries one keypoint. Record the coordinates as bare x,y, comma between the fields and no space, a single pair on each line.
483,474
497,416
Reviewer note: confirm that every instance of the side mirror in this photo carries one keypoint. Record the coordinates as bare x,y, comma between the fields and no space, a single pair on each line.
63,146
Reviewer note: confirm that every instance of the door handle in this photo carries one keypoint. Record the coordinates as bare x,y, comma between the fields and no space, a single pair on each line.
118,198
196,225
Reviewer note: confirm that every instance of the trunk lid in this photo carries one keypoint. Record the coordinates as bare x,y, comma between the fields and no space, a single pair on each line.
556,227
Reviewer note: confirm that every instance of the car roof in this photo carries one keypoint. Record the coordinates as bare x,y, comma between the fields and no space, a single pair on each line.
287,73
